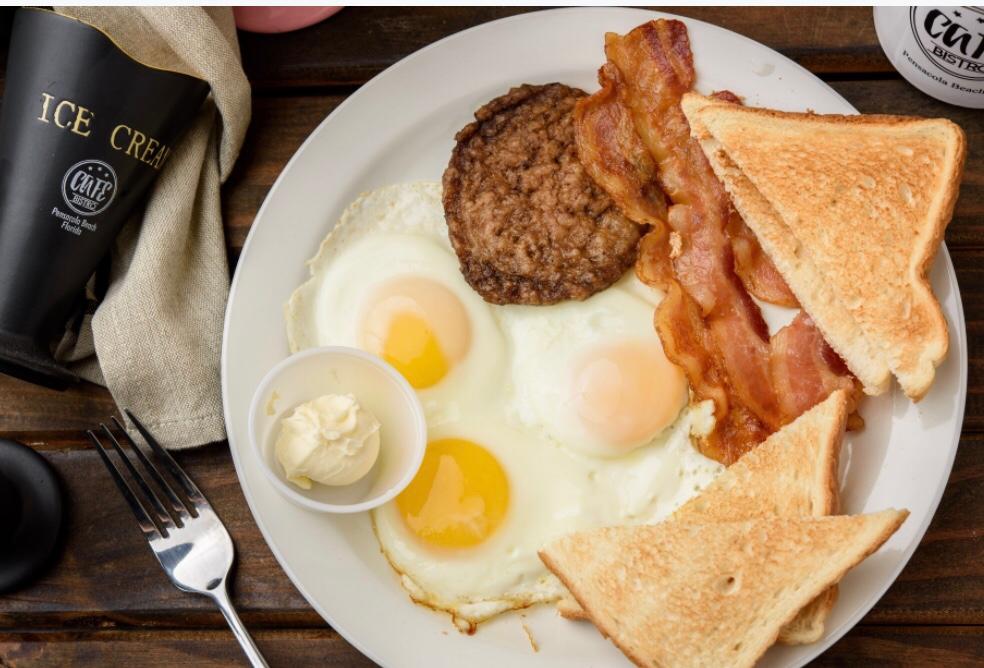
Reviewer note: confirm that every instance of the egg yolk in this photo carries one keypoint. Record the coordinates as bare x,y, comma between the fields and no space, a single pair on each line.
412,347
627,392
458,497
418,326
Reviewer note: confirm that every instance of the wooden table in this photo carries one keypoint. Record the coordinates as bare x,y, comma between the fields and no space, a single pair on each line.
106,602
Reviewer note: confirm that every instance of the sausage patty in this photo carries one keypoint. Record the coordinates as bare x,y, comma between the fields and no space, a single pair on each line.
528,224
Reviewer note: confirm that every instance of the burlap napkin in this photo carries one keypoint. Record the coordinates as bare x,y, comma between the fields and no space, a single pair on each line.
155,337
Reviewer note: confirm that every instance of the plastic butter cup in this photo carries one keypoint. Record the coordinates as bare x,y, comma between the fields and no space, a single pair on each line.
378,387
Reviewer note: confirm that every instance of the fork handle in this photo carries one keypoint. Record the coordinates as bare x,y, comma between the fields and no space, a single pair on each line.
221,598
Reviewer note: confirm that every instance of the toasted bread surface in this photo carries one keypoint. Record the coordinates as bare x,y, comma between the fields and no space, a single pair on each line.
709,594
793,473
851,209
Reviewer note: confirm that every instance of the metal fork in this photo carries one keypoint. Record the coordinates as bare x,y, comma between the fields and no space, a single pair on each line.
187,537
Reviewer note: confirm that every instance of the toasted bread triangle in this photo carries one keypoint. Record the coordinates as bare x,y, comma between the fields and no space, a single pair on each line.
851,210
709,594
793,473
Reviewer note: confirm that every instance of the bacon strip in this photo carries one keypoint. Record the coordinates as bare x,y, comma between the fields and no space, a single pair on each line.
760,276
708,322
613,154
689,344
801,362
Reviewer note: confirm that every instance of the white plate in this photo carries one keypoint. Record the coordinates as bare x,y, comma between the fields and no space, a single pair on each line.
399,127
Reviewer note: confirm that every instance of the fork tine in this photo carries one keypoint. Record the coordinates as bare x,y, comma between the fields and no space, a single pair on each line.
162,514
176,503
150,530
190,488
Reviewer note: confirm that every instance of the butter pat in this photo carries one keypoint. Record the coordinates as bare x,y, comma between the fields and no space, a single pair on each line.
332,440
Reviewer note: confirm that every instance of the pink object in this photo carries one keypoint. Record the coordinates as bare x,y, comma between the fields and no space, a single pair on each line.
279,19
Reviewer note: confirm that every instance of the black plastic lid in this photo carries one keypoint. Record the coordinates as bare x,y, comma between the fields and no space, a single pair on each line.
31,510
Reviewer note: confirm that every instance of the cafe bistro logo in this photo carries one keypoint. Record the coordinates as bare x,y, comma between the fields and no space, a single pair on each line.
89,187
952,39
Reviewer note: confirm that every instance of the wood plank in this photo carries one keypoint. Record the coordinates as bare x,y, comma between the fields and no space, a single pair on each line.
907,646
829,41
278,128
107,577
358,43
863,645
304,647
968,263
32,409
974,412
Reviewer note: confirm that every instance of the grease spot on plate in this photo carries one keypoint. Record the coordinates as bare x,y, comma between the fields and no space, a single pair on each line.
763,69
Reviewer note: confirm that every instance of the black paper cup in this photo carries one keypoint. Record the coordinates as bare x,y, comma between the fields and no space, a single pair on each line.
84,131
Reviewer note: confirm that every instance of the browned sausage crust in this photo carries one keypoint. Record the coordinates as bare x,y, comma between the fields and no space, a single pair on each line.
528,224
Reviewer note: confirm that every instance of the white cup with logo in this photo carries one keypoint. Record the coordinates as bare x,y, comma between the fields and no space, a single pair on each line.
939,50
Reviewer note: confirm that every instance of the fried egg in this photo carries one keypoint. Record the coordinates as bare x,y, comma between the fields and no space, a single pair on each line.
592,375
542,420
386,280
464,535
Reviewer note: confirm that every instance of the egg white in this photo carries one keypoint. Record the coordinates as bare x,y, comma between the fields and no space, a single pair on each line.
498,396
546,341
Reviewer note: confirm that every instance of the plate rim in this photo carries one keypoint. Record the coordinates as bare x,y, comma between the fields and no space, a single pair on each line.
958,331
